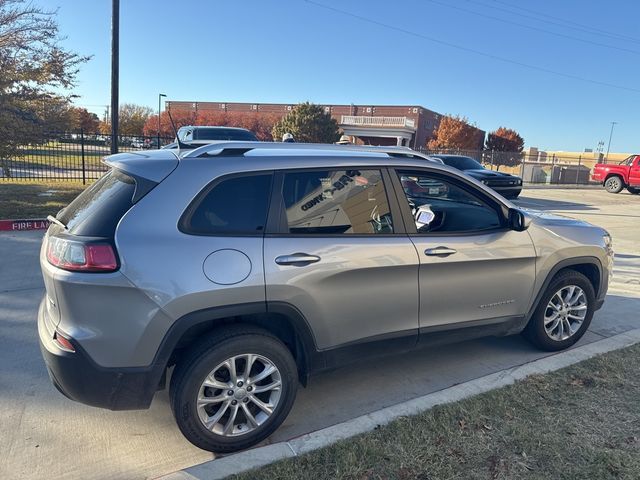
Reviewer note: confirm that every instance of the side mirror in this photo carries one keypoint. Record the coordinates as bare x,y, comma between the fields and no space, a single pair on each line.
518,220
424,216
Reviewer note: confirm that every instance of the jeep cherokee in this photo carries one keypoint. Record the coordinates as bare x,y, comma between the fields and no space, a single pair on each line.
235,271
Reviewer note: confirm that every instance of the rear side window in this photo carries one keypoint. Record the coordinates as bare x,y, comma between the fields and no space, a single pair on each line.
97,210
336,202
236,205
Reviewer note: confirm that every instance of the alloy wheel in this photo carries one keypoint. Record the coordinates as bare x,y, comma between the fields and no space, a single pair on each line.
565,313
239,395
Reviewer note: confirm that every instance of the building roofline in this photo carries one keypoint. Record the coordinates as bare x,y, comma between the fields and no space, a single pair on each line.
322,104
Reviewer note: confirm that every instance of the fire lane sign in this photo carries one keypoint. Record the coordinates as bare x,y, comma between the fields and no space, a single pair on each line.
21,225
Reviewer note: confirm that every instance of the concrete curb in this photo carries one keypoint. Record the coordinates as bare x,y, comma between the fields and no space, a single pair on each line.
261,456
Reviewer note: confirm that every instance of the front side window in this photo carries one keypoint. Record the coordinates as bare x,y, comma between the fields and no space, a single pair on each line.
236,205
336,202
441,206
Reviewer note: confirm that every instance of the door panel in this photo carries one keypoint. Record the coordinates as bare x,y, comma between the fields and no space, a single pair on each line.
489,275
360,287
634,172
472,267
340,255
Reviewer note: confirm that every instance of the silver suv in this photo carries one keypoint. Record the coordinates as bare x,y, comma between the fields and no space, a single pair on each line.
238,270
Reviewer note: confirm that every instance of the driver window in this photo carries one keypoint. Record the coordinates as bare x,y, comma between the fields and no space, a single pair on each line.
440,206
336,202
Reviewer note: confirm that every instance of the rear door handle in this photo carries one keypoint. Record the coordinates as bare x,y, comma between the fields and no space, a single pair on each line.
439,251
297,259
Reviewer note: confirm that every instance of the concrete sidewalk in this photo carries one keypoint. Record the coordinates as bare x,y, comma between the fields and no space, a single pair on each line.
47,436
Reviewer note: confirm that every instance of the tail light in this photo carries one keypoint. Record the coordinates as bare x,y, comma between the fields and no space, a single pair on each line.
63,342
78,256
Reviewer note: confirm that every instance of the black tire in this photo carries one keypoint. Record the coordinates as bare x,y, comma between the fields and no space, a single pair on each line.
614,184
193,367
535,330
633,190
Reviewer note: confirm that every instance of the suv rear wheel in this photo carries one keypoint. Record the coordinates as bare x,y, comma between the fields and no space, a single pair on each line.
614,184
564,312
233,389
633,190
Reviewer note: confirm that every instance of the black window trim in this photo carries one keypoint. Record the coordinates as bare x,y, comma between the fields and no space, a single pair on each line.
278,226
401,199
187,214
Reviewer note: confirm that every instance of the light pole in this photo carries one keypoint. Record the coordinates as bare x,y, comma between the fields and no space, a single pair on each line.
160,95
613,124
115,71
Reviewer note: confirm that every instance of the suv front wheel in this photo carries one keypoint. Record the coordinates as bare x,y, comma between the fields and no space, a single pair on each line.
564,312
233,389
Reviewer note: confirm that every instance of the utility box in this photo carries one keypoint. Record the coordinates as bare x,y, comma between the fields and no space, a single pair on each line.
532,173
570,174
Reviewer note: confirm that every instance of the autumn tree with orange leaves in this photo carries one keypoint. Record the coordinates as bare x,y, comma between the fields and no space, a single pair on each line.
455,133
505,140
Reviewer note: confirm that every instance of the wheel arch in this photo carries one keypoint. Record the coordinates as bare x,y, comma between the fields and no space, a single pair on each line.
590,267
282,320
615,174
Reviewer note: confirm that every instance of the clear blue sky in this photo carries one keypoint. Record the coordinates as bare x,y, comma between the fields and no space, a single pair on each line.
292,51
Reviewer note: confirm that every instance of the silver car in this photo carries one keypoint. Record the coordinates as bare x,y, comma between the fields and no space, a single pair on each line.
245,268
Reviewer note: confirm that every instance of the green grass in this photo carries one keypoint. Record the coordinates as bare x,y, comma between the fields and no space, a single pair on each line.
582,422
24,199
63,155
60,156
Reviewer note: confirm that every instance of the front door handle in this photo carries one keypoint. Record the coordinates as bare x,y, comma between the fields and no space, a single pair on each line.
439,251
297,259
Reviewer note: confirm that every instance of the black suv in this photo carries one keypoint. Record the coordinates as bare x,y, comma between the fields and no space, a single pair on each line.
509,186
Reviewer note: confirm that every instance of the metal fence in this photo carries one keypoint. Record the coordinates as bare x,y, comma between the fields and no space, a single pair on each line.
70,156
541,168
78,157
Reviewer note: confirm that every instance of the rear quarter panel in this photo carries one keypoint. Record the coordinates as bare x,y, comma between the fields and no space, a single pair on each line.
603,170
169,265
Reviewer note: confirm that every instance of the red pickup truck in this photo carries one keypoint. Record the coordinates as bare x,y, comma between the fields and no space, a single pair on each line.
615,177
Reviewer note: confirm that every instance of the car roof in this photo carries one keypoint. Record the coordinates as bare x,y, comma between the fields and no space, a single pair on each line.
235,157
272,149
214,127
449,155
283,155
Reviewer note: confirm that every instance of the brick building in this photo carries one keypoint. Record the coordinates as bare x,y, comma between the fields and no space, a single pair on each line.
410,126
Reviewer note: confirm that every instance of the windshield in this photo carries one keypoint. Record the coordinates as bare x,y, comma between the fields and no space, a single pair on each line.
219,133
462,163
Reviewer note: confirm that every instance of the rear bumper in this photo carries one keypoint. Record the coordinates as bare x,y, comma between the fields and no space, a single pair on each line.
77,377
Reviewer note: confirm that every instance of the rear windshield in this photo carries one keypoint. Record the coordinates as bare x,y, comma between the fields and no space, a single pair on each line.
97,210
223,134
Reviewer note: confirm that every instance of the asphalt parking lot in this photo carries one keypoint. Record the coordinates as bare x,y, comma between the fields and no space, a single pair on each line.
44,435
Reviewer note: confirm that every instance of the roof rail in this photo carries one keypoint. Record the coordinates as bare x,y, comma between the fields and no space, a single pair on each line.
230,148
